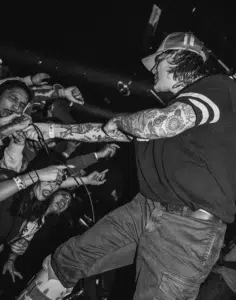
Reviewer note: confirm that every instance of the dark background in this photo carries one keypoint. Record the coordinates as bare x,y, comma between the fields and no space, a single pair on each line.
95,43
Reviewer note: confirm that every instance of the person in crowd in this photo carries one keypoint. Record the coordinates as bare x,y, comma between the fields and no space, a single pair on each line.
186,164
11,186
15,96
33,212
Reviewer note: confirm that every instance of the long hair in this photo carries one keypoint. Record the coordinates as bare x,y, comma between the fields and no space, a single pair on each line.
14,83
27,206
186,66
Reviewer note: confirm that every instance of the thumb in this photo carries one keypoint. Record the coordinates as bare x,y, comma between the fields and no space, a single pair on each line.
101,182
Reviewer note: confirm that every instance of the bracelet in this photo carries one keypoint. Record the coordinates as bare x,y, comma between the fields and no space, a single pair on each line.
61,93
51,131
31,177
20,184
37,175
96,155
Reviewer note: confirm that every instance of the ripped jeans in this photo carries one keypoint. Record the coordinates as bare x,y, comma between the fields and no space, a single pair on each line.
174,253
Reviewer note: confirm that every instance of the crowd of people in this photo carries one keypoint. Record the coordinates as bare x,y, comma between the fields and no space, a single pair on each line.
43,177
174,227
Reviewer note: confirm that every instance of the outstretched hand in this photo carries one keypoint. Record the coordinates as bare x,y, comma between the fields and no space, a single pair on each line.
52,173
73,95
108,151
40,79
10,267
96,178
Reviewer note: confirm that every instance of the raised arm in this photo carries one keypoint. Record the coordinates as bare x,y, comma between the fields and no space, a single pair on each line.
10,187
155,123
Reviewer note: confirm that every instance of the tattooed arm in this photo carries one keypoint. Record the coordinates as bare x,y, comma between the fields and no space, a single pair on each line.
155,123
17,124
88,132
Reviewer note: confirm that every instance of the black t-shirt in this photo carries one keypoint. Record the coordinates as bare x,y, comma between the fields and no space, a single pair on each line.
196,168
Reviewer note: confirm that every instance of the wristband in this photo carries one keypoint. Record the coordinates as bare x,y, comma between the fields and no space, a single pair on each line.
96,155
20,184
66,155
61,93
51,131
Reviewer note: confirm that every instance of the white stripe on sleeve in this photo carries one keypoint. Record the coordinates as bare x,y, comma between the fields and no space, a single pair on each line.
205,99
204,110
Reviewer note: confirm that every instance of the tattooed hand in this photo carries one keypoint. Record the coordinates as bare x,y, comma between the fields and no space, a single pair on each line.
32,134
111,126
18,138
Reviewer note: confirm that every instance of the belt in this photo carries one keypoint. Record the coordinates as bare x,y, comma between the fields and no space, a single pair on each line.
186,211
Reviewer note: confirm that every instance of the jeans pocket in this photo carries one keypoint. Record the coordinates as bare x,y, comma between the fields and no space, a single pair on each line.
173,287
215,244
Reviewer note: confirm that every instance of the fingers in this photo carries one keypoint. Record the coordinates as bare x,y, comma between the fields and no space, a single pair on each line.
12,275
101,182
100,176
4,270
115,146
8,119
112,149
18,274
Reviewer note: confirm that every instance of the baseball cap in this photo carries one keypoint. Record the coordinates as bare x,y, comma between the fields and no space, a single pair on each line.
177,41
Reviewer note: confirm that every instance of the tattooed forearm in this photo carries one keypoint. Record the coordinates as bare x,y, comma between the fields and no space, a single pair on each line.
158,123
10,128
43,94
89,132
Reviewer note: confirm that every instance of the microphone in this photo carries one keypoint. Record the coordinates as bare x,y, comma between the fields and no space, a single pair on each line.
124,88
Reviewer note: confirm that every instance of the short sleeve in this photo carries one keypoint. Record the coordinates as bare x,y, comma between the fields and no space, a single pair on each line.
209,99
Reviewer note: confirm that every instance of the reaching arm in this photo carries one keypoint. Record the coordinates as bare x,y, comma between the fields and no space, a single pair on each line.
156,123
8,187
88,132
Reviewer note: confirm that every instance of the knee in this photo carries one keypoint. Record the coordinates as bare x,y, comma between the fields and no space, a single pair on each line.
46,283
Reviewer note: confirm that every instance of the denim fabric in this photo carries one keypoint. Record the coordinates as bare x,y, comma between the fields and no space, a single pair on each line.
175,253
228,274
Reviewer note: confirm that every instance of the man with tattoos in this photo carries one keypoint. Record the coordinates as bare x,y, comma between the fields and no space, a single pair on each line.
186,165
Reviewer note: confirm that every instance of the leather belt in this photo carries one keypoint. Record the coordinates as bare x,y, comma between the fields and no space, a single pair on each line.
186,211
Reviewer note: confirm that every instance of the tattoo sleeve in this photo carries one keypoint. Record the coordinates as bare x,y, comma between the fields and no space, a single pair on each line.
89,132
158,123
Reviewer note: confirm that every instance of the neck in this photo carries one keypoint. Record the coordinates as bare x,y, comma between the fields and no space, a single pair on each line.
178,86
